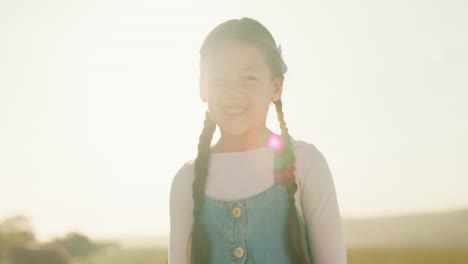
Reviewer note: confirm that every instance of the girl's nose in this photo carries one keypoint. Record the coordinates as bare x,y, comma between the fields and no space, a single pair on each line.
233,93
234,87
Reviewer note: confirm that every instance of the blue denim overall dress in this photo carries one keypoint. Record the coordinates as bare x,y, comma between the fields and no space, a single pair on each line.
249,230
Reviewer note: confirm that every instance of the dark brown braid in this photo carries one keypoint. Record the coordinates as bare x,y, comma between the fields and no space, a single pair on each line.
294,233
200,251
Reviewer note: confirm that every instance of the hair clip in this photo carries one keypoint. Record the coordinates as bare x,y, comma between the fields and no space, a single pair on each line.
280,52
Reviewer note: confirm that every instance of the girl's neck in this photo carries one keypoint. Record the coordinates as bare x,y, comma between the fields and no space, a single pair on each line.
250,140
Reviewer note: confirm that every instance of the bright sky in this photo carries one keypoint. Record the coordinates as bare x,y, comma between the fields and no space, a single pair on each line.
99,104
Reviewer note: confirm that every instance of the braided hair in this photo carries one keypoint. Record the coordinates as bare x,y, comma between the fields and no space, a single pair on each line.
200,252
286,166
255,33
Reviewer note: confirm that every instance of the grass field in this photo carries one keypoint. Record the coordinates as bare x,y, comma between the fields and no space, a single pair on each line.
407,256
129,256
355,256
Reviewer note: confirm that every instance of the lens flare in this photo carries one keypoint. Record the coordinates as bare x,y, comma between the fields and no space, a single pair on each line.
275,142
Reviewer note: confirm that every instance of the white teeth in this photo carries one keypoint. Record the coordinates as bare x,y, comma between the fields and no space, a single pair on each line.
234,111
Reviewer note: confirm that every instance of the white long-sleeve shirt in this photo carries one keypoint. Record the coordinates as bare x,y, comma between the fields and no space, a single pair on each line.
238,175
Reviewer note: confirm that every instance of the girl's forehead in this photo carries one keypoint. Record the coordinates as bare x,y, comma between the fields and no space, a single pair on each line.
229,68
234,55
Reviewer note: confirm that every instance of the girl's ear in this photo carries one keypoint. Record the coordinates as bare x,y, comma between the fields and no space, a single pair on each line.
277,89
202,87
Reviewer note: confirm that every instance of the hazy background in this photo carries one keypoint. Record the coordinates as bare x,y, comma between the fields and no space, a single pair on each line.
99,104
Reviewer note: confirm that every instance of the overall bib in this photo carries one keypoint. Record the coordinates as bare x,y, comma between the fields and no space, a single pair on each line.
250,230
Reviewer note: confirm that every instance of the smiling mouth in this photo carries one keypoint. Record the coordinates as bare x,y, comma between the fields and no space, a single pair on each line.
234,110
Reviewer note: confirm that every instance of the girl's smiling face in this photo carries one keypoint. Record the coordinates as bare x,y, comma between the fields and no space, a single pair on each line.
237,84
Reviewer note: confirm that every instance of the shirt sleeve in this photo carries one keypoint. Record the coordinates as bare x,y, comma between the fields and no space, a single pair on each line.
180,206
321,210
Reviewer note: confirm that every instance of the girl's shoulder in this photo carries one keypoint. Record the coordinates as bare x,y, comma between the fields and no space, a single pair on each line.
185,170
183,179
305,151
308,158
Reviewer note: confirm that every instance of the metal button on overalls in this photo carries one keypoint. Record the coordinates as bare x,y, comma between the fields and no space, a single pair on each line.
239,252
236,212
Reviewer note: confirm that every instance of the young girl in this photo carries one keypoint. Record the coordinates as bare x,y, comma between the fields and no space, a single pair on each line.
254,196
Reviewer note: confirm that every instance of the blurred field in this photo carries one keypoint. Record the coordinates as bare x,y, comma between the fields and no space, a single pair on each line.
129,256
355,256
408,255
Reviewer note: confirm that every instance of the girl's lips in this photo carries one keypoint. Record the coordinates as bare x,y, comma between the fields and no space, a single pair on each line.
235,110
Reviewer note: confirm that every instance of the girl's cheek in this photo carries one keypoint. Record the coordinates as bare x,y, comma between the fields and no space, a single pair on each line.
212,92
216,96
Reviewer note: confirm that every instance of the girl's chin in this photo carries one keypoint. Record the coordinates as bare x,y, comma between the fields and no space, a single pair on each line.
231,119
233,129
